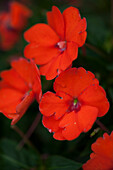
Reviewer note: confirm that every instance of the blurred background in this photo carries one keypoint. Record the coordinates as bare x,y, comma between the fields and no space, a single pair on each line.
40,150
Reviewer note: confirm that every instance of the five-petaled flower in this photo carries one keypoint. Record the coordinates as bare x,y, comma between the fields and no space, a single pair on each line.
102,156
18,88
55,46
12,23
78,101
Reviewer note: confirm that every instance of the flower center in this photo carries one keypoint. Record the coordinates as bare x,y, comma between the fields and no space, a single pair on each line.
61,45
74,106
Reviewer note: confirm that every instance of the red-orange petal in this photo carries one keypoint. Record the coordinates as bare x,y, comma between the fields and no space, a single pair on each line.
9,96
102,158
36,87
23,106
104,146
68,55
75,26
51,123
86,117
24,69
41,54
19,14
58,135
73,81
12,78
95,96
51,69
52,104
41,34
98,163
60,62
56,21
70,124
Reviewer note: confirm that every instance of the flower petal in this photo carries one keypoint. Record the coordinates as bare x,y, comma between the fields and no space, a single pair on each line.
8,96
55,20
98,163
73,81
12,78
51,123
41,34
70,124
95,96
75,26
41,54
50,70
104,146
58,135
52,104
23,106
68,55
86,117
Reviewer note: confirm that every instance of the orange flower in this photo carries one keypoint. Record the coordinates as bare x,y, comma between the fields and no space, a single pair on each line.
102,158
12,23
55,46
78,101
18,88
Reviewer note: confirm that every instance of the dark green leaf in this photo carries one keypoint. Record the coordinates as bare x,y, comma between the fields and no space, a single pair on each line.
61,163
12,158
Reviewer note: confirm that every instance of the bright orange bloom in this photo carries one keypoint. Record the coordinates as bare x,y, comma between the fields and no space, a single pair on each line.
102,158
18,88
78,101
12,23
55,46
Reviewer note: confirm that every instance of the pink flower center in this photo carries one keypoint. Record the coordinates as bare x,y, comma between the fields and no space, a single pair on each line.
74,106
61,45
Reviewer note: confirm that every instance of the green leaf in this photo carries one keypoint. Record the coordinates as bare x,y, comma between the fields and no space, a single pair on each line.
61,163
12,158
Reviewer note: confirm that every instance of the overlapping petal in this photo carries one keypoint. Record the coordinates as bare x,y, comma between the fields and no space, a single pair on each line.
95,96
41,34
79,78
86,117
53,104
60,62
19,87
37,52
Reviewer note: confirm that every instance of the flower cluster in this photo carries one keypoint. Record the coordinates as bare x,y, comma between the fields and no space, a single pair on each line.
12,24
78,99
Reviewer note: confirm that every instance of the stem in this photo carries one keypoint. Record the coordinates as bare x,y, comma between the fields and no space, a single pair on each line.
102,126
30,131
16,128
95,49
